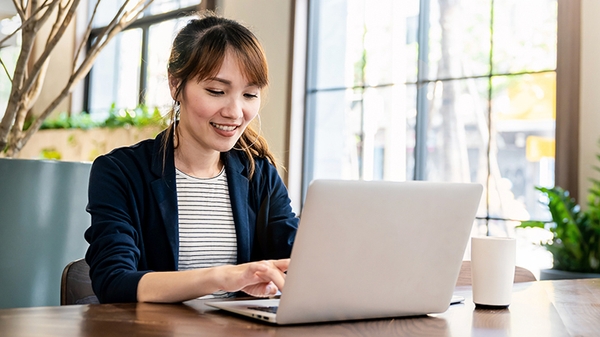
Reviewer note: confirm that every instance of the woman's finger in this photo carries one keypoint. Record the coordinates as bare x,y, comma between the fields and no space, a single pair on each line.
273,271
282,264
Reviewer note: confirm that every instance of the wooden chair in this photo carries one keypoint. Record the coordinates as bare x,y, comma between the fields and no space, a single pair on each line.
75,285
464,277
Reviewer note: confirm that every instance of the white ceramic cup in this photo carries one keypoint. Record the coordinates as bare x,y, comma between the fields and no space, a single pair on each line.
492,270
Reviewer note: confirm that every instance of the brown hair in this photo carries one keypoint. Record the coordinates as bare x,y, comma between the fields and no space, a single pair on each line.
198,52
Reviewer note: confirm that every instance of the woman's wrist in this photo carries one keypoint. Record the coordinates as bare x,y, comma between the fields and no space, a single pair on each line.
178,285
220,277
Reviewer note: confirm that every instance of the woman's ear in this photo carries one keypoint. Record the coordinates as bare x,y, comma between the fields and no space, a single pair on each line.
173,86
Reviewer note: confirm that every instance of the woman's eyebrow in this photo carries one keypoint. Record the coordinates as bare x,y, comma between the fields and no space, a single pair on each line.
221,80
228,82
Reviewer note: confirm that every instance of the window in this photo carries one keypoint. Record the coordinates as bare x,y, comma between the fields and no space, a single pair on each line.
437,90
131,70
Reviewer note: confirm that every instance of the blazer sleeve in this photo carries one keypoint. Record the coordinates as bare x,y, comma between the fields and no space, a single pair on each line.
114,239
276,223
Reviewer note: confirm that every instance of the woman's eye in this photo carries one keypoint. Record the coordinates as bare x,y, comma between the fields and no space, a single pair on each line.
251,95
215,92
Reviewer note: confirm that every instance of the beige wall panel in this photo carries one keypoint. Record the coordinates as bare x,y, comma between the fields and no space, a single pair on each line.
589,134
271,21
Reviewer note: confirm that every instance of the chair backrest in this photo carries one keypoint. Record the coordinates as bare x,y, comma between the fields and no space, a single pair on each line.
464,277
75,285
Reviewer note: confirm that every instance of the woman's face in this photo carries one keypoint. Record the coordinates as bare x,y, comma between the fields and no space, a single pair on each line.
216,111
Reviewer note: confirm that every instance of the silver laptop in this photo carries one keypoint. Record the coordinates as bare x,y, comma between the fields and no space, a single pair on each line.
372,249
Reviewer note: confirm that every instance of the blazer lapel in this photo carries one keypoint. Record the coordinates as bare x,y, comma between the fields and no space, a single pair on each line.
238,193
164,191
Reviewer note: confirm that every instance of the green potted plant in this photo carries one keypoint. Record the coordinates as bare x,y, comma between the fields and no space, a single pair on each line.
575,245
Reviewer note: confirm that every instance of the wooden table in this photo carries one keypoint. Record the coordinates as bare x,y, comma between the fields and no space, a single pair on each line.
544,308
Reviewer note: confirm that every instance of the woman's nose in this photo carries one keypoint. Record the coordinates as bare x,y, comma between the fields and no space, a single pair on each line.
233,109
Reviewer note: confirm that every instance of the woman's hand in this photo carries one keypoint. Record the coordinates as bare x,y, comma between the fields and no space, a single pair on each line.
260,279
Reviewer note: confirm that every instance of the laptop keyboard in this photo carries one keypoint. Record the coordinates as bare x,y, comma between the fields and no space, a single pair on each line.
272,309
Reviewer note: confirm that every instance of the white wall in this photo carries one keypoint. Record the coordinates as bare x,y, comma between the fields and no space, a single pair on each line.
590,96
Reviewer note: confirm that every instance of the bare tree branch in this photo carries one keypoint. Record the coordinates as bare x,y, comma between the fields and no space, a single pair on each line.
27,21
86,35
21,75
5,70
16,98
59,22
34,92
18,5
20,8
93,52
27,80
31,97
135,12
82,71
35,126
111,24
30,6
121,20
29,29
15,114
50,45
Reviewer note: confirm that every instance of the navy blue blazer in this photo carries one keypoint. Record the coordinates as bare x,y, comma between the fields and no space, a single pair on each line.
133,204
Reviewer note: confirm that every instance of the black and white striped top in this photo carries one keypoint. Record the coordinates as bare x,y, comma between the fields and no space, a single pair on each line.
206,228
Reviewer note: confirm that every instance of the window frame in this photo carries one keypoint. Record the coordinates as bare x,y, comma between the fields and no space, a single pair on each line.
143,23
568,75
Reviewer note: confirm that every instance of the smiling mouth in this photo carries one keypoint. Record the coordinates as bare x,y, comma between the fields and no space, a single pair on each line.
224,127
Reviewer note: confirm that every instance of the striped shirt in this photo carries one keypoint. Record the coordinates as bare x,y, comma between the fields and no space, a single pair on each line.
206,228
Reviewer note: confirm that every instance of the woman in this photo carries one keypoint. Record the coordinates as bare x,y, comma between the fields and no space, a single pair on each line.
200,209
